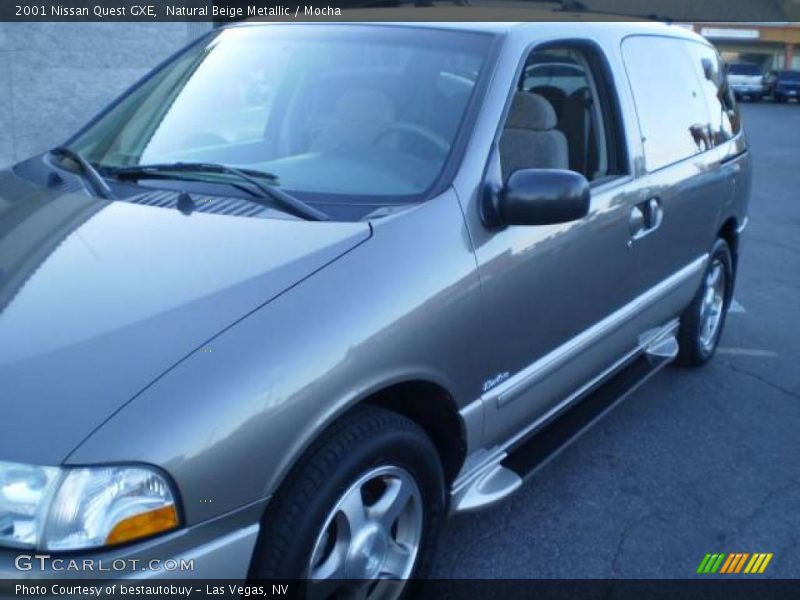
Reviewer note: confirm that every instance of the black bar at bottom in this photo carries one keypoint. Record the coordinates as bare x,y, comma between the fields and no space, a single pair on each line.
706,587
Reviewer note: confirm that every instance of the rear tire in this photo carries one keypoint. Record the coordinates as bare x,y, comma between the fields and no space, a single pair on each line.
702,322
366,501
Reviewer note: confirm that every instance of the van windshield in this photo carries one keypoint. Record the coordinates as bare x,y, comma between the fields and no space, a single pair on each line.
368,113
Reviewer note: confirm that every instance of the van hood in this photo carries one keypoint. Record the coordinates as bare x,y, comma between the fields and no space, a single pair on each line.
99,298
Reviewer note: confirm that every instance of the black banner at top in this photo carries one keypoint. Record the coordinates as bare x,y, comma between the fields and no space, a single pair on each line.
398,10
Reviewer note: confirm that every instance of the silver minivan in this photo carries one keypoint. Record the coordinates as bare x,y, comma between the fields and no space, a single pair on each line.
306,290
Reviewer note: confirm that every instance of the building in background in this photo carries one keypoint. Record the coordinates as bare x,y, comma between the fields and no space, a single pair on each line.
55,76
771,46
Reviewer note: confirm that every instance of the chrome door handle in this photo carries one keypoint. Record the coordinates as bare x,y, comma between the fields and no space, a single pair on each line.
636,221
645,218
655,214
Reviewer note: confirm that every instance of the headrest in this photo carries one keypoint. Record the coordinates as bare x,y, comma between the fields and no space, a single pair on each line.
554,95
531,111
579,97
365,106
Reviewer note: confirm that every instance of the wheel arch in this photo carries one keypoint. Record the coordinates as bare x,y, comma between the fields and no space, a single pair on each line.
433,408
729,231
427,403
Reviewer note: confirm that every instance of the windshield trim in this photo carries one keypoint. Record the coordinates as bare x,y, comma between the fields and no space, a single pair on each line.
446,174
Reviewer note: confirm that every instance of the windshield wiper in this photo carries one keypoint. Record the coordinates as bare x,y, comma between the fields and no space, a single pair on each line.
90,173
288,202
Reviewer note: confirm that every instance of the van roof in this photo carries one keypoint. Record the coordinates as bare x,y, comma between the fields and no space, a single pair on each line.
576,23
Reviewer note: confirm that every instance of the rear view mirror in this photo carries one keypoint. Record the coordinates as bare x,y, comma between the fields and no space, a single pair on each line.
538,197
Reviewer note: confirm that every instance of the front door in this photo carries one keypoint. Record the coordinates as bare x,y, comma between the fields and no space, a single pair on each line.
557,297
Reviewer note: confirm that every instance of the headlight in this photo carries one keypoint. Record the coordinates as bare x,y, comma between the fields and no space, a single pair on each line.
79,508
24,495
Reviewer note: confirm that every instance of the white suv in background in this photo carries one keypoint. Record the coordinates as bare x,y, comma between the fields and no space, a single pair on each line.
747,81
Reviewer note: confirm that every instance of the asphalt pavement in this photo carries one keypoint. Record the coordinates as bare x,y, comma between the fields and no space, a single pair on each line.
696,461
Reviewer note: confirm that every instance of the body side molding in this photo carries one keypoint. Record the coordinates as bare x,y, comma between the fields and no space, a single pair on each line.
518,383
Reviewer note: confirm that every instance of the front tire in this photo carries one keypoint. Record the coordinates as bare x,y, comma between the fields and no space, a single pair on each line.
702,322
360,513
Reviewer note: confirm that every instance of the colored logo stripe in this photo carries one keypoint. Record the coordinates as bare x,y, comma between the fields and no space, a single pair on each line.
734,563
758,563
727,565
710,563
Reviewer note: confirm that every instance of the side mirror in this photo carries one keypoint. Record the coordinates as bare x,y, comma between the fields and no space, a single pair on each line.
708,69
538,197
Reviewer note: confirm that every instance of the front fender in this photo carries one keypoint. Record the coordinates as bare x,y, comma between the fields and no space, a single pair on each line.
231,420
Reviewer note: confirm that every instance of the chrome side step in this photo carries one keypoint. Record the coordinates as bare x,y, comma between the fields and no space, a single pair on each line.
663,350
661,345
491,486
502,475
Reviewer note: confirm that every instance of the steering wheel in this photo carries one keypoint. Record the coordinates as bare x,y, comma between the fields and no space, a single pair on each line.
433,140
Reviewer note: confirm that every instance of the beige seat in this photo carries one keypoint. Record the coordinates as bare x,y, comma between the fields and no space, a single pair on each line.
530,139
577,127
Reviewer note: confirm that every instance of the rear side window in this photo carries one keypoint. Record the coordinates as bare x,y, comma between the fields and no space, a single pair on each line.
724,122
670,104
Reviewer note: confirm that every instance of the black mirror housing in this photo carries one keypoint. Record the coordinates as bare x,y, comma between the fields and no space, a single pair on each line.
538,197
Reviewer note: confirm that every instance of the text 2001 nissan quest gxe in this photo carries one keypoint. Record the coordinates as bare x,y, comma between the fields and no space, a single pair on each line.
306,289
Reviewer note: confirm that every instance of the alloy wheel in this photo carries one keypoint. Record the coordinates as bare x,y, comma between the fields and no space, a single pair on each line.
369,542
712,306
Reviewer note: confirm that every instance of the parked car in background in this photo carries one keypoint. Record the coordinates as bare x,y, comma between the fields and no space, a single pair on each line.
747,81
783,85
306,290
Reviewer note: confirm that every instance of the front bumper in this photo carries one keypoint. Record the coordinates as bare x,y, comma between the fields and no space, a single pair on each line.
217,549
789,92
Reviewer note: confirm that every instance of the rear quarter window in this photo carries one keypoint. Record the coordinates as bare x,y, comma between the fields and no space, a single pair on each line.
724,122
671,105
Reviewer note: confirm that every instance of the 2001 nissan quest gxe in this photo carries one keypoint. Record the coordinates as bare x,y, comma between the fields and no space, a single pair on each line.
307,289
